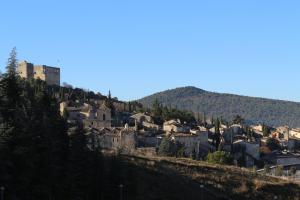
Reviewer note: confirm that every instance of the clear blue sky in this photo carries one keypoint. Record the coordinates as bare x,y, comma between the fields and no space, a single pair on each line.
138,47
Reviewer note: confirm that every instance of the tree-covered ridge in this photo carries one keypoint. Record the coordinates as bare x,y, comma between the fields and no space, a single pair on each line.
162,113
227,106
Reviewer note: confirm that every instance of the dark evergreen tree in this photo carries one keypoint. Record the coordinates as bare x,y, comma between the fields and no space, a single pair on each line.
110,104
33,139
266,130
273,144
157,112
217,134
11,119
78,165
156,108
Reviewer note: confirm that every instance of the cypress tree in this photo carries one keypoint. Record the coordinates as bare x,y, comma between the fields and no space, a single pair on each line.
217,135
110,104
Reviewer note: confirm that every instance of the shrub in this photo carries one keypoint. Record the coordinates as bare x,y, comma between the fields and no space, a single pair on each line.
179,148
279,171
267,169
219,157
165,148
292,171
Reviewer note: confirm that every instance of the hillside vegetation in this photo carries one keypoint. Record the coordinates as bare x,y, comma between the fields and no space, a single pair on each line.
220,182
227,106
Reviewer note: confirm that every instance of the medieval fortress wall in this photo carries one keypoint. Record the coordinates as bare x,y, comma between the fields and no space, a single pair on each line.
51,75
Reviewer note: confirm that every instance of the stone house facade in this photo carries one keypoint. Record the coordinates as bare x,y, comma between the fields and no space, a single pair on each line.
98,118
247,151
123,139
175,126
295,133
196,144
89,116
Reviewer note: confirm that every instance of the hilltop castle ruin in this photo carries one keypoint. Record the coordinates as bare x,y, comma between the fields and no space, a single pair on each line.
51,75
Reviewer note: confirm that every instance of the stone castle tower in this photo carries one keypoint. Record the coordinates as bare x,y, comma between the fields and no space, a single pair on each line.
51,75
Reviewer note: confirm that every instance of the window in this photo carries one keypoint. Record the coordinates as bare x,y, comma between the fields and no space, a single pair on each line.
104,117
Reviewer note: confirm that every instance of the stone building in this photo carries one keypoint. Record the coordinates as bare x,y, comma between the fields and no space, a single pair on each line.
51,75
247,153
295,133
142,117
74,113
175,126
119,138
98,118
145,122
196,144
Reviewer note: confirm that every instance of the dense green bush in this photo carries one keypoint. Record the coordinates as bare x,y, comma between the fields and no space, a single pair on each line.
219,157
166,148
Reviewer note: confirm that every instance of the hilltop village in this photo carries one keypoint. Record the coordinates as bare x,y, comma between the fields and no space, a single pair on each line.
119,127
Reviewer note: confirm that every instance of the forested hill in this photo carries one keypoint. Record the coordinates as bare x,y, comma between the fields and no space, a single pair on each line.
254,110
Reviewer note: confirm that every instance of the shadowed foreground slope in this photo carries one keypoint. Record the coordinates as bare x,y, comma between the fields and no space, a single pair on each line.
170,178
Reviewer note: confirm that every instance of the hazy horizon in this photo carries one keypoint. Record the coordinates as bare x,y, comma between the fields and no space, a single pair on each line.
136,48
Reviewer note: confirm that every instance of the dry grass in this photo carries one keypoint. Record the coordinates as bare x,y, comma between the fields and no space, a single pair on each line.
242,189
235,182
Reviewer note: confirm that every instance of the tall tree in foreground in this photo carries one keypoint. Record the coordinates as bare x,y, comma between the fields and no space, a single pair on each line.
84,174
11,118
33,139
77,165
10,91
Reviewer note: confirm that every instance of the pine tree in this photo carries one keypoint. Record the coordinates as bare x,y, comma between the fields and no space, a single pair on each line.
10,91
11,120
78,165
12,63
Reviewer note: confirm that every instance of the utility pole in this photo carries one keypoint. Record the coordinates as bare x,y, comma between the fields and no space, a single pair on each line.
2,192
202,192
121,191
